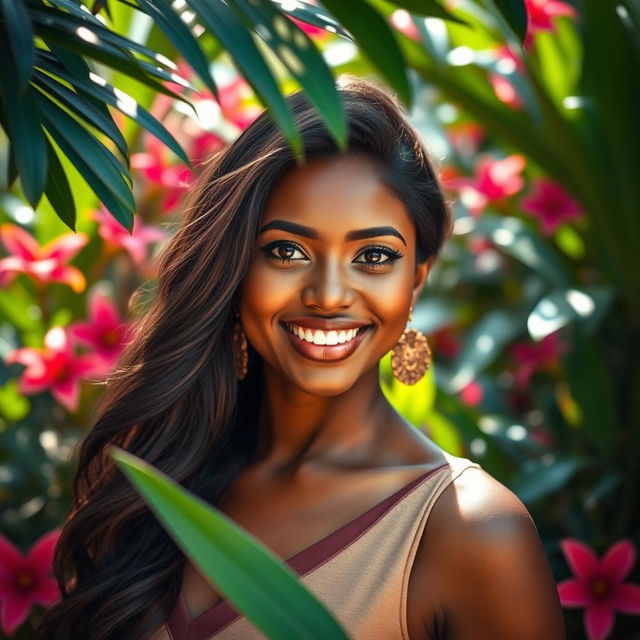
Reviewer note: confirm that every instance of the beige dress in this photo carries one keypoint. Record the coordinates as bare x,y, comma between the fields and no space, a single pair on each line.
360,572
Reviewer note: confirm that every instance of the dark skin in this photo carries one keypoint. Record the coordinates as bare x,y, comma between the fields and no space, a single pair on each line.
338,447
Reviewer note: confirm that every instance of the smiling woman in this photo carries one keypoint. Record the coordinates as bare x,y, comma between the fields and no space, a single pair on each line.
253,381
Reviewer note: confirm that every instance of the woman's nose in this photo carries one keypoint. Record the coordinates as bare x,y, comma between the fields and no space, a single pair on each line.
328,289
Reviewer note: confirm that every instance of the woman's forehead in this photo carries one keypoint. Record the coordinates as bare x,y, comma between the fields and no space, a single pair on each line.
336,192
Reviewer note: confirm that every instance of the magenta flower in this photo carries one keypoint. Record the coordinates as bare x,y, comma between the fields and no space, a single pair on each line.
116,236
532,356
25,580
55,367
42,263
173,180
105,332
540,14
493,181
598,584
551,205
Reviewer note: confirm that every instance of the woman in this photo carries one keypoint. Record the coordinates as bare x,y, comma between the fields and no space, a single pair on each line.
253,381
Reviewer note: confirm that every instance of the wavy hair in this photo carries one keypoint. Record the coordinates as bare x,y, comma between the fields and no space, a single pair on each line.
174,399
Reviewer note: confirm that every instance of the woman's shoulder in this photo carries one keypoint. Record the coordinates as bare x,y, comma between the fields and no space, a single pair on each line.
484,549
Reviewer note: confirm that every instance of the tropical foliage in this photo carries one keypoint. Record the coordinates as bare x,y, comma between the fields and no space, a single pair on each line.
532,312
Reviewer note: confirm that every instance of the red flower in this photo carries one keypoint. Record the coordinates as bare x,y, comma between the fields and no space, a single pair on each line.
551,205
540,14
598,584
536,355
507,63
55,368
493,181
44,264
25,580
105,332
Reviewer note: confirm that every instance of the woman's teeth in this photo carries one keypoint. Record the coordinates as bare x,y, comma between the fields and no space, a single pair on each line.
319,337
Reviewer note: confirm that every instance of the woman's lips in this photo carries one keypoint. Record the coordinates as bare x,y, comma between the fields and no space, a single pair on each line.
326,352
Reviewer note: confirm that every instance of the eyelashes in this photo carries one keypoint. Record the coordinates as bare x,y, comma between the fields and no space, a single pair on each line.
291,247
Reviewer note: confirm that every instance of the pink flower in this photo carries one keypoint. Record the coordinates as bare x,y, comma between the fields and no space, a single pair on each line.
55,368
534,356
154,165
401,20
507,62
598,584
105,332
493,181
471,394
25,580
540,14
236,102
44,264
116,236
551,205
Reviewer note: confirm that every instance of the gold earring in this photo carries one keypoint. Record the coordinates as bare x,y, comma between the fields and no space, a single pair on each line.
240,350
411,357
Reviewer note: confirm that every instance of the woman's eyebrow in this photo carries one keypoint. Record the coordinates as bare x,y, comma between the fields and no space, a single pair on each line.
309,232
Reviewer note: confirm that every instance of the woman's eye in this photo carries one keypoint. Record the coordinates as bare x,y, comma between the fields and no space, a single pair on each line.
379,256
284,251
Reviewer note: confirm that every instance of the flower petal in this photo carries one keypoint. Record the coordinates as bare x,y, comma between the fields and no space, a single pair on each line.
574,593
10,557
581,558
66,246
619,560
15,610
40,555
626,598
46,592
19,242
598,621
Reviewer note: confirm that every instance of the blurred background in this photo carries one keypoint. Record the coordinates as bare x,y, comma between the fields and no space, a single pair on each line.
529,109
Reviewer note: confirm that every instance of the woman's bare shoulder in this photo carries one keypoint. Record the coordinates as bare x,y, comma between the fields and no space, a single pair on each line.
484,546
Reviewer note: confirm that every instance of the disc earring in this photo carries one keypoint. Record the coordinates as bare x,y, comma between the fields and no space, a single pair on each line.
411,357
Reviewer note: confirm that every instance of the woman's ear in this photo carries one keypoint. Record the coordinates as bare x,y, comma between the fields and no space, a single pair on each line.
420,279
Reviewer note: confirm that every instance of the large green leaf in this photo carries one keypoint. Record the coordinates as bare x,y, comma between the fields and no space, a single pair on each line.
430,8
513,13
230,31
20,39
58,190
301,58
260,585
96,87
376,40
22,124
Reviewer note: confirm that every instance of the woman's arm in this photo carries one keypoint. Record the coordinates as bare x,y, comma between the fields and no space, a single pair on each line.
495,582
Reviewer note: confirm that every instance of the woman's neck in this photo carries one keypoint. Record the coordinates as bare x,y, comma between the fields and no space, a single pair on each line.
298,428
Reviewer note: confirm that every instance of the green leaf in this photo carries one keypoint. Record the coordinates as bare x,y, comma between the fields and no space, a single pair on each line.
229,30
516,239
92,160
24,130
301,58
376,39
429,8
83,108
98,88
180,35
58,190
540,479
560,307
514,14
264,589
316,16
20,39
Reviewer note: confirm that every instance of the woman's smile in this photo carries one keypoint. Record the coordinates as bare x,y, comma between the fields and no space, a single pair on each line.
329,344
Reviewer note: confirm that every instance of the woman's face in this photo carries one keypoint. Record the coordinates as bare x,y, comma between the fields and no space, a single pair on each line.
336,254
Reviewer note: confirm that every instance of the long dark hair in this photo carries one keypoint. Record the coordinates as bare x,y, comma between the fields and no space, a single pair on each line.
174,399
